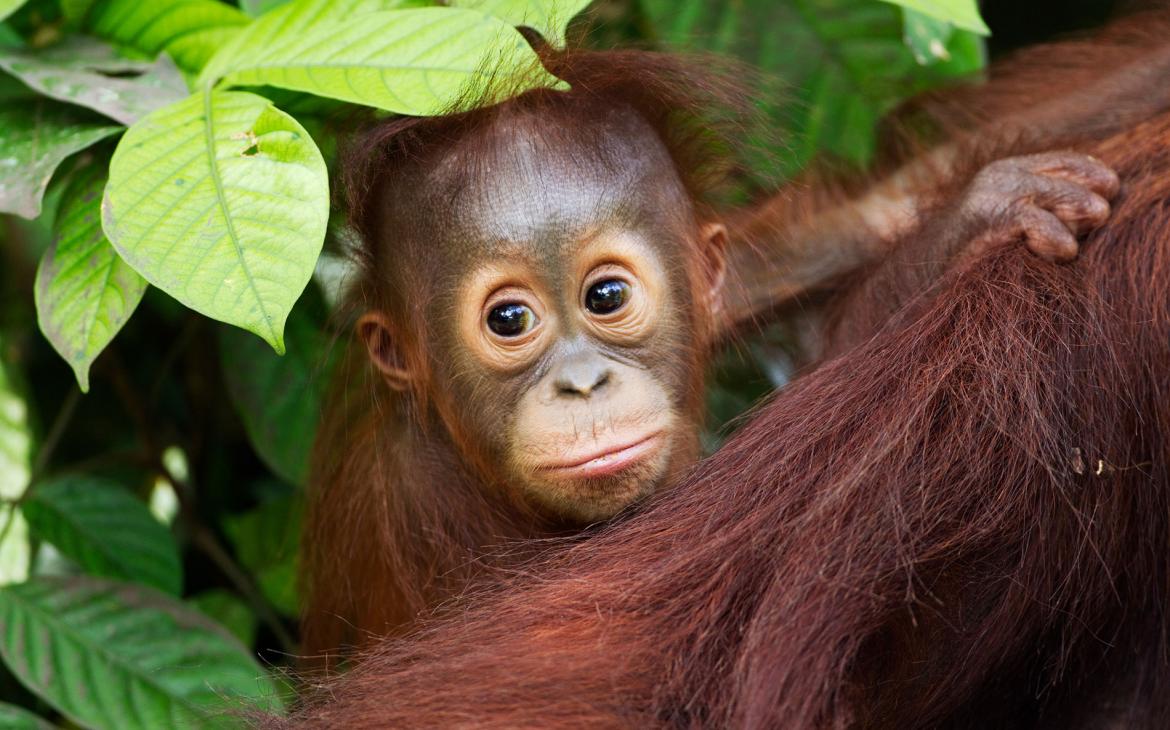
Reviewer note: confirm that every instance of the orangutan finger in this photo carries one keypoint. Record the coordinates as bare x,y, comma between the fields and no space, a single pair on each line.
1079,208
1075,167
1046,235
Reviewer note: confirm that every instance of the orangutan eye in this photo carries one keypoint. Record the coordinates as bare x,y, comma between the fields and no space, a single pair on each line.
511,319
607,296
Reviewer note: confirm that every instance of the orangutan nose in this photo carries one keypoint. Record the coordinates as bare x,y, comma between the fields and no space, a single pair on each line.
581,375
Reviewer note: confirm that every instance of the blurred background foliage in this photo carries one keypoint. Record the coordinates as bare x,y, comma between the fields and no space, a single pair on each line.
182,470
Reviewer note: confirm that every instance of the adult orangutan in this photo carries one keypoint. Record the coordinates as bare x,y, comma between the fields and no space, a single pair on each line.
542,281
961,521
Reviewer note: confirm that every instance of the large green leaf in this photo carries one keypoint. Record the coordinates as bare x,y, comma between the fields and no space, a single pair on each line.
279,398
550,18
221,200
189,30
959,13
8,7
257,8
842,64
85,292
105,530
90,73
418,61
35,136
18,718
285,18
109,655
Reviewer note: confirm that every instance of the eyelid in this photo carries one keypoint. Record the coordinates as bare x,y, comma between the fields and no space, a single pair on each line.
512,295
608,270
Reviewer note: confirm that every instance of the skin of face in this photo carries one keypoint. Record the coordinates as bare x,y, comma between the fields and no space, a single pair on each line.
585,401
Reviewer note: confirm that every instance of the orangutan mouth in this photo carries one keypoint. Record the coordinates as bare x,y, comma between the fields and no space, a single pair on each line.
610,460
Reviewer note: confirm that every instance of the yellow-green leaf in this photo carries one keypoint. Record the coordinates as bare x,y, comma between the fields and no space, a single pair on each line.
550,18
959,13
418,61
221,200
84,292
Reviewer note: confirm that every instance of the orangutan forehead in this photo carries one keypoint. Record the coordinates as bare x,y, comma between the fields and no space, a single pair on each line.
529,177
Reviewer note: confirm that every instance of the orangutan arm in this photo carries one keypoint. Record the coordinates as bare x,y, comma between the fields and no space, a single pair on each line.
780,251
789,246
1044,201
793,245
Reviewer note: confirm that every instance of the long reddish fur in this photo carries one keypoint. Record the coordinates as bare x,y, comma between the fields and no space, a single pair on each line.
962,521
403,509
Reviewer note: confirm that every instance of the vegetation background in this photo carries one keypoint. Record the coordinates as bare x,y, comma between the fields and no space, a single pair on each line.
149,527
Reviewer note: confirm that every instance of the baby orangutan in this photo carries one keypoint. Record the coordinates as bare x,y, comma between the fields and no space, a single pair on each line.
542,281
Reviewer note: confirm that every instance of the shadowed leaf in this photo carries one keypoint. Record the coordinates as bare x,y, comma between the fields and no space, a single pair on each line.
266,541
18,718
110,655
228,611
89,73
35,136
841,65
279,398
105,530
84,292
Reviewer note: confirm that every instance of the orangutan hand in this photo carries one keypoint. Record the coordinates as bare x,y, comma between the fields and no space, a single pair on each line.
1044,200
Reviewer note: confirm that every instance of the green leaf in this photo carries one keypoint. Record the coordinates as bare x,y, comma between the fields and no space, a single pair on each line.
109,655
15,470
959,13
8,7
105,530
228,611
926,37
221,200
256,8
75,10
550,18
35,136
418,61
279,399
842,65
84,292
266,541
89,73
18,718
191,31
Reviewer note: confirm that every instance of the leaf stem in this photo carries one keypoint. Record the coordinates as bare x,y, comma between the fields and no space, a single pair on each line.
53,438
206,541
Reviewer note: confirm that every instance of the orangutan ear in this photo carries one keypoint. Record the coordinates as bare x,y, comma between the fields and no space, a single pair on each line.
713,248
374,329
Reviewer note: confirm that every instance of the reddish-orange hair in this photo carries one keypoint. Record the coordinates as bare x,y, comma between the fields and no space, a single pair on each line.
399,516
962,521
